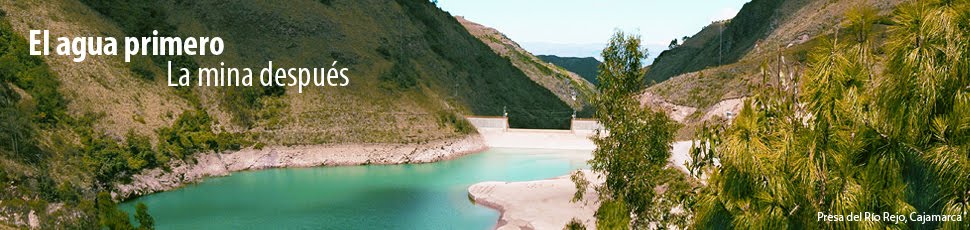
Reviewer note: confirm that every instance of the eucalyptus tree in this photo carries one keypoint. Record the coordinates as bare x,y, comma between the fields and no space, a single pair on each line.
634,145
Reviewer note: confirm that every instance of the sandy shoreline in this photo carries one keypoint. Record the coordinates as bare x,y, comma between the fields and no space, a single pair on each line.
545,204
541,204
223,164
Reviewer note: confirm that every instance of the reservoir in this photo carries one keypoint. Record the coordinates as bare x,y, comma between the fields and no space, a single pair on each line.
418,196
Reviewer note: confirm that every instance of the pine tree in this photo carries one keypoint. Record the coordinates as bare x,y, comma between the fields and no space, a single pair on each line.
851,138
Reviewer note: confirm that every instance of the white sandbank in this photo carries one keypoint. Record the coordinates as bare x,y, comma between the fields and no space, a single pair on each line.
545,204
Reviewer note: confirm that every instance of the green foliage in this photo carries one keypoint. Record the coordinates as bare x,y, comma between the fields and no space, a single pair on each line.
139,152
584,67
137,18
579,179
574,224
109,216
894,140
702,153
638,145
459,124
111,160
17,139
400,77
487,82
105,158
717,44
246,102
140,19
192,133
35,124
31,74
145,221
860,22
613,214
142,68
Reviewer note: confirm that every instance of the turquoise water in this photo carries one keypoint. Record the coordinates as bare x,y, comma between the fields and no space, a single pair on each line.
421,196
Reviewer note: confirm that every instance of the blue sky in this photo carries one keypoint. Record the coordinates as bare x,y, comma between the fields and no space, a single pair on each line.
583,26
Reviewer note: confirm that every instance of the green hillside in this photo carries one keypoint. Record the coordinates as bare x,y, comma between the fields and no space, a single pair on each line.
717,44
571,88
586,67
77,128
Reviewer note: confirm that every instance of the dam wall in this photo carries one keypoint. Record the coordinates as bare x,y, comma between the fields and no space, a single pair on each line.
496,132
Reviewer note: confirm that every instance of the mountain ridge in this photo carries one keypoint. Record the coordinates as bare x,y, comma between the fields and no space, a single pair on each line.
586,67
568,86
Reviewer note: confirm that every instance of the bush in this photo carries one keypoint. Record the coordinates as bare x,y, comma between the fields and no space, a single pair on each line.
109,216
401,76
31,74
140,154
145,221
141,67
104,158
459,124
575,224
136,18
192,133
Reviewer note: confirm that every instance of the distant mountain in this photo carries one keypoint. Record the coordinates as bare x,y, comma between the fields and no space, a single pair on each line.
565,49
585,67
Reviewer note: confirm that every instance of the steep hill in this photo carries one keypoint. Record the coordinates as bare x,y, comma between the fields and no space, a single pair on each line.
586,67
760,26
79,127
788,33
719,43
561,82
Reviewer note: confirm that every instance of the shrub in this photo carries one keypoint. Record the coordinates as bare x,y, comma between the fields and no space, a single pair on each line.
31,74
140,154
145,221
575,224
109,216
192,133
105,158
141,67
401,76
459,124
